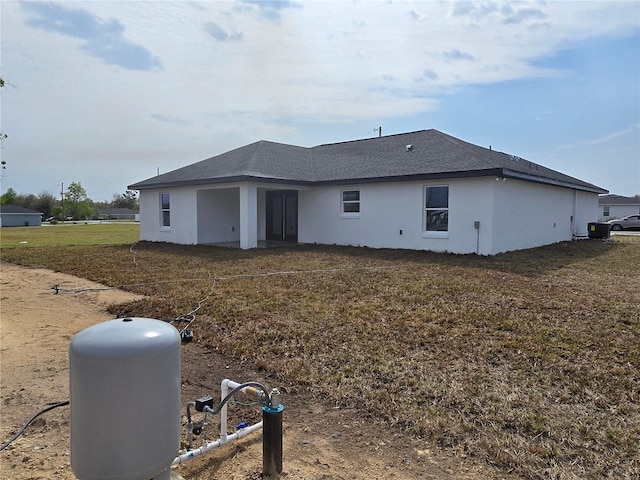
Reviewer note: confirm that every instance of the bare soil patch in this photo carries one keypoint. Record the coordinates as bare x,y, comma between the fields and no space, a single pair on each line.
320,441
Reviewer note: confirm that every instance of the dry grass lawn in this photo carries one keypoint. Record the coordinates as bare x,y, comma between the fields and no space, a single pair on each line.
529,361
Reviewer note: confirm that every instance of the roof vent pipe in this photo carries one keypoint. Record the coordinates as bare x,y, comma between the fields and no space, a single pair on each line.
409,147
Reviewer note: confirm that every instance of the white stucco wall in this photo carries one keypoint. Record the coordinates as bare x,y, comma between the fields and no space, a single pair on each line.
218,215
389,208
618,211
529,214
207,214
183,215
586,211
512,215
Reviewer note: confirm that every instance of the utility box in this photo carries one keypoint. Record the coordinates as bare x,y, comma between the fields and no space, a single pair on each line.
599,230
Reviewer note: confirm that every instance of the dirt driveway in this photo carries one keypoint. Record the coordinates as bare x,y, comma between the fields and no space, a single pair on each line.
320,442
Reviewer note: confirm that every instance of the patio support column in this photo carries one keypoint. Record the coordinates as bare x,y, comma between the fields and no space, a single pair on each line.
248,216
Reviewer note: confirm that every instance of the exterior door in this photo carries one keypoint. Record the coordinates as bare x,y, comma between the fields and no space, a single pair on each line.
282,215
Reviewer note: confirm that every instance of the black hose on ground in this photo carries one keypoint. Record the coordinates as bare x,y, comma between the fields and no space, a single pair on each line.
28,422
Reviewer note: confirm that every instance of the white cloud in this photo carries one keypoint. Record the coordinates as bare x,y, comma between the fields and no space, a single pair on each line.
633,130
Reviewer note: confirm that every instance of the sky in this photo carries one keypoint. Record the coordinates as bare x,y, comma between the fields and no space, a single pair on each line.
109,93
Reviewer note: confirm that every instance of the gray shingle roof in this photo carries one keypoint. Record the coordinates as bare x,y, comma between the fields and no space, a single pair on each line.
18,210
432,154
618,200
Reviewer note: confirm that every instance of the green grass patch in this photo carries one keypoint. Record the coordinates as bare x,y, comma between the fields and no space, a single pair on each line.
527,360
68,233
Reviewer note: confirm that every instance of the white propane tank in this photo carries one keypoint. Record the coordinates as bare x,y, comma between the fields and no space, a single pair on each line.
124,387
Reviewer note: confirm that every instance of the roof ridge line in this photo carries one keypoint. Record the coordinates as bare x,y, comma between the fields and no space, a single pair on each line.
466,145
375,138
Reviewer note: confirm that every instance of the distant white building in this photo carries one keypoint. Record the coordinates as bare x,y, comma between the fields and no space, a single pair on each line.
423,190
612,207
117,214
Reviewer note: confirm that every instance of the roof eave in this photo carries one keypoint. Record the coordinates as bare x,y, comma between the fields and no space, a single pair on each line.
497,172
410,177
22,213
212,181
507,173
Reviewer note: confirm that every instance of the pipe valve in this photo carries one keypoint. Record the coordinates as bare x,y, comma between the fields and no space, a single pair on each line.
275,398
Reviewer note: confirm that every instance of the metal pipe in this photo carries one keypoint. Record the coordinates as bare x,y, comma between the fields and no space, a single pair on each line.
190,424
227,384
272,440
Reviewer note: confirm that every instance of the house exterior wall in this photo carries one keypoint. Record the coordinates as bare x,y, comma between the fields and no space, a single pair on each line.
511,215
388,209
586,211
262,214
218,215
617,211
183,211
529,215
20,220
208,214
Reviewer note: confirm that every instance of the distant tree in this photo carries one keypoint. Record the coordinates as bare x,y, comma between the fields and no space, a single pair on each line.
56,212
45,203
76,203
9,197
127,200
27,200
101,205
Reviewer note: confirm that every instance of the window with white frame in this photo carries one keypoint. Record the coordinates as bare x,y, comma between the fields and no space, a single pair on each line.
165,210
606,211
350,202
436,208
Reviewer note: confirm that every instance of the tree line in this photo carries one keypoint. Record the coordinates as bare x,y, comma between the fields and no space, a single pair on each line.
74,204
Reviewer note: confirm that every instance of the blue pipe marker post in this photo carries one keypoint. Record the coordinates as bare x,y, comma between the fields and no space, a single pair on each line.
272,437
